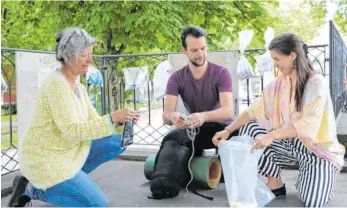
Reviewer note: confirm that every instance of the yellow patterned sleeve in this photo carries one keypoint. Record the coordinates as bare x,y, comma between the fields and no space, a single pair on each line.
314,118
68,120
257,109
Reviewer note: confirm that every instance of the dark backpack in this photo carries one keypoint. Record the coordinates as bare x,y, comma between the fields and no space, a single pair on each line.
170,170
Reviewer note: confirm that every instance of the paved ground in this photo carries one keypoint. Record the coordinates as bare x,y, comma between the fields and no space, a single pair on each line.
125,185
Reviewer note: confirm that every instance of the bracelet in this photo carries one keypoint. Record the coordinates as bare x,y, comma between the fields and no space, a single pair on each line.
228,130
168,117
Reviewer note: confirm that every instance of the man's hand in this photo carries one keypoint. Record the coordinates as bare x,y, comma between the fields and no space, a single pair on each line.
176,119
221,135
196,119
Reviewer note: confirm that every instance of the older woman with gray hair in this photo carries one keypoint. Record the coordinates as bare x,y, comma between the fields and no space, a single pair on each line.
67,139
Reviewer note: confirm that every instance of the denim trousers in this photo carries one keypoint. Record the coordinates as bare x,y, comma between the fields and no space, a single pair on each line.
81,190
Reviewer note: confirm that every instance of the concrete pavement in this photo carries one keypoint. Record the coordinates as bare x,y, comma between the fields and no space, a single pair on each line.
124,185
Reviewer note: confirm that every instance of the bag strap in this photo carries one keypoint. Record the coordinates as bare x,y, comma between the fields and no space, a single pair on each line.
204,196
192,190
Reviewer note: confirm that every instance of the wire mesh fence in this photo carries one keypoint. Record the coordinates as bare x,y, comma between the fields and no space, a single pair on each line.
117,94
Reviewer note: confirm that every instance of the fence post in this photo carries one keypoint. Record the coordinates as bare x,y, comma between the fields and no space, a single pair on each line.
103,93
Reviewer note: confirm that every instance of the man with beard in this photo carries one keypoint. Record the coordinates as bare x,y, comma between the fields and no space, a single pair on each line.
206,91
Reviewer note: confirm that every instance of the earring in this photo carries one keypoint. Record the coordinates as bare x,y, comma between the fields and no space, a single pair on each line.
294,63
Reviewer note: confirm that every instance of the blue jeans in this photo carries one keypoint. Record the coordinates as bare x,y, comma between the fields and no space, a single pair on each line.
81,190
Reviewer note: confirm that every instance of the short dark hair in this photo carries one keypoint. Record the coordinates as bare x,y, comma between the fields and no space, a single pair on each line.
194,31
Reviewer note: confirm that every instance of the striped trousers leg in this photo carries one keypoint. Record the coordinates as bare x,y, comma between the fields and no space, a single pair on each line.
317,176
270,162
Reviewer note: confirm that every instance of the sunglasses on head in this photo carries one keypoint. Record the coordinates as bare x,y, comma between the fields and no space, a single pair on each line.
75,33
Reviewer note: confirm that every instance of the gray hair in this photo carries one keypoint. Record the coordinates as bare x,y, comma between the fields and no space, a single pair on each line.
70,41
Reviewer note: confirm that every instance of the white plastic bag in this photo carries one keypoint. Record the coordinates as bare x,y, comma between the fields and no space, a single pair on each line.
160,79
243,186
264,62
3,84
244,68
136,77
94,76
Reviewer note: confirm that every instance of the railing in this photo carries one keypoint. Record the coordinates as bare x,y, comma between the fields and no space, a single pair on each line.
338,66
150,129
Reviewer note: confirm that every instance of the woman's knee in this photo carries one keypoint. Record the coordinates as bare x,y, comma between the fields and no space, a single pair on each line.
317,202
316,198
99,202
252,129
95,201
73,198
114,143
94,198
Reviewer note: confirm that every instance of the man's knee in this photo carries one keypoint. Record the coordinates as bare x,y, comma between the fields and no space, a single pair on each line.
177,135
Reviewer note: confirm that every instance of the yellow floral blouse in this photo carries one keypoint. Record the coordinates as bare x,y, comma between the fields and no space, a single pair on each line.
57,141
315,124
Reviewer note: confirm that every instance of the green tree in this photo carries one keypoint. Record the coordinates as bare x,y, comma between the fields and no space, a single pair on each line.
303,19
131,26
340,17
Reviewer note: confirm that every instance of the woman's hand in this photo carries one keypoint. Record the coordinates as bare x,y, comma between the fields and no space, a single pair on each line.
221,135
261,142
125,115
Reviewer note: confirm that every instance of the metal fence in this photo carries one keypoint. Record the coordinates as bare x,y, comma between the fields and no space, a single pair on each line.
9,141
150,129
113,95
338,68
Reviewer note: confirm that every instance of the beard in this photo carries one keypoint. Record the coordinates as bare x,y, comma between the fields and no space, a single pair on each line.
196,64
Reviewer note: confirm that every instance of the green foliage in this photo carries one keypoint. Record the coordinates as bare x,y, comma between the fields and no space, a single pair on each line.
6,141
341,16
303,19
132,26
95,97
6,110
5,117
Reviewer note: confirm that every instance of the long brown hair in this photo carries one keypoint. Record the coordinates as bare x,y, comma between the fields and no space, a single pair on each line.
287,43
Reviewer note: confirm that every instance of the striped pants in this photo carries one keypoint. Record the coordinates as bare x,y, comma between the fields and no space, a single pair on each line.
316,177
